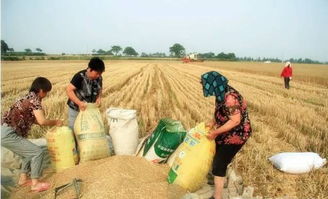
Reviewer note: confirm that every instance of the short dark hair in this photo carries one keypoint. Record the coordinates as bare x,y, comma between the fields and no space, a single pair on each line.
41,83
96,64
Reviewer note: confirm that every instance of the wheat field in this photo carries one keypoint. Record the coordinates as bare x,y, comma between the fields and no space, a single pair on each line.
282,120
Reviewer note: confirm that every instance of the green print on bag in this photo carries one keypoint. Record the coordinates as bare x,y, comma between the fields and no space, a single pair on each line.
90,133
167,136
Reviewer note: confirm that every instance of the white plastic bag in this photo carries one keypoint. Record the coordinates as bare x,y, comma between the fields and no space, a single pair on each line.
124,130
297,162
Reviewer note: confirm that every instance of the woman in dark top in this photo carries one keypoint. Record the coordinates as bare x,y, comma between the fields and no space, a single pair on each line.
15,125
230,127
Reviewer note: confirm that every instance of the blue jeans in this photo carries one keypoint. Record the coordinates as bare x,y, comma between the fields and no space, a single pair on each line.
72,114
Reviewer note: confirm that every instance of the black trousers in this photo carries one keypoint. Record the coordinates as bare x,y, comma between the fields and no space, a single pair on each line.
223,156
287,79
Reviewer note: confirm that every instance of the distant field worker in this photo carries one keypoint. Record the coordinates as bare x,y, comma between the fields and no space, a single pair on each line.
230,126
85,87
287,74
15,125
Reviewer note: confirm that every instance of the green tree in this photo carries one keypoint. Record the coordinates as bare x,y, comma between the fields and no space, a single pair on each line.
11,50
109,52
143,54
231,56
177,50
4,47
101,51
28,50
116,49
207,55
94,51
39,50
130,51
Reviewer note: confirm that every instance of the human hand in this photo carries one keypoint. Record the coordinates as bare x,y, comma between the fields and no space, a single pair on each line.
98,101
290,78
59,122
211,135
209,124
82,106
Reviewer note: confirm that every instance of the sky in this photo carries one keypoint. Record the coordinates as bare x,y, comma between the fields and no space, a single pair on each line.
249,28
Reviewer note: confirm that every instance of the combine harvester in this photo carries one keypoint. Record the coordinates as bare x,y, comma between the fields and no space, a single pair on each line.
192,58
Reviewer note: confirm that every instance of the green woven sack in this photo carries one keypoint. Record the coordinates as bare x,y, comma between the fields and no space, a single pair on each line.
165,139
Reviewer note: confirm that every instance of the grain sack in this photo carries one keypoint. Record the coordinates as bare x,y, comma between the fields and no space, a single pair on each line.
123,128
165,139
90,134
61,148
297,162
193,159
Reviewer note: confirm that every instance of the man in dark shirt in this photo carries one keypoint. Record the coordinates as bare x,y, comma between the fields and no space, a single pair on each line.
85,87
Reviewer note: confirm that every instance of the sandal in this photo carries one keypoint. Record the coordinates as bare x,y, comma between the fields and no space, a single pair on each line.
41,186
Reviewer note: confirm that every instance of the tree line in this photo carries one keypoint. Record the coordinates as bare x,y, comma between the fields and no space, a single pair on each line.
176,50
27,51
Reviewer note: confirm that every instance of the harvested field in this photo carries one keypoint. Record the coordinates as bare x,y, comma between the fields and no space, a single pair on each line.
282,120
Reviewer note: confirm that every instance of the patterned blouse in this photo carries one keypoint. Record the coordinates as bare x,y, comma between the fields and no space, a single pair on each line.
20,115
233,104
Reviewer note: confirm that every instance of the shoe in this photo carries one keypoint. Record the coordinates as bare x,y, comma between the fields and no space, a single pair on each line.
41,186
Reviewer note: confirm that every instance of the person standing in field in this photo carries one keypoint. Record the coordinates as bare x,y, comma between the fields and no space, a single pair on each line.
85,87
15,125
230,127
287,74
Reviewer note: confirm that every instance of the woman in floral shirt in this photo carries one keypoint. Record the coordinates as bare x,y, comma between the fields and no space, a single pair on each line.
15,125
230,127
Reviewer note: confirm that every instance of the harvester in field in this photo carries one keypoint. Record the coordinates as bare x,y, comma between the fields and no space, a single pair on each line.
193,57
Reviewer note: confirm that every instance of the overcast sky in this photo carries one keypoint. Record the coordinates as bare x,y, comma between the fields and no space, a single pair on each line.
256,28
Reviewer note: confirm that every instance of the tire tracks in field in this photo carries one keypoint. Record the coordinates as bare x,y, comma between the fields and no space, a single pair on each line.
118,86
184,105
285,120
189,99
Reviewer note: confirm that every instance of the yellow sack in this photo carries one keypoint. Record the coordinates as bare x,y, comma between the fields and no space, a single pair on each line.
90,134
192,159
61,148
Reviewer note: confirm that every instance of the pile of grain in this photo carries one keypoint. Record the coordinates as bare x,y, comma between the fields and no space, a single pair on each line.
118,177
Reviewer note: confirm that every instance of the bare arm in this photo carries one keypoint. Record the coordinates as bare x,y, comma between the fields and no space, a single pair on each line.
98,100
41,119
70,93
233,121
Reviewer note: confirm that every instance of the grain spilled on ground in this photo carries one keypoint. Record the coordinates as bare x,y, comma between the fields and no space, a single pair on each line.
119,177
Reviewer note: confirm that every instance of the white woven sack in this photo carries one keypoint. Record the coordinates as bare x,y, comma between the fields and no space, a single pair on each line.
297,162
123,128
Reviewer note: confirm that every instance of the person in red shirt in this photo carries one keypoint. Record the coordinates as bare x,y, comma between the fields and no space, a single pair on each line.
287,74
